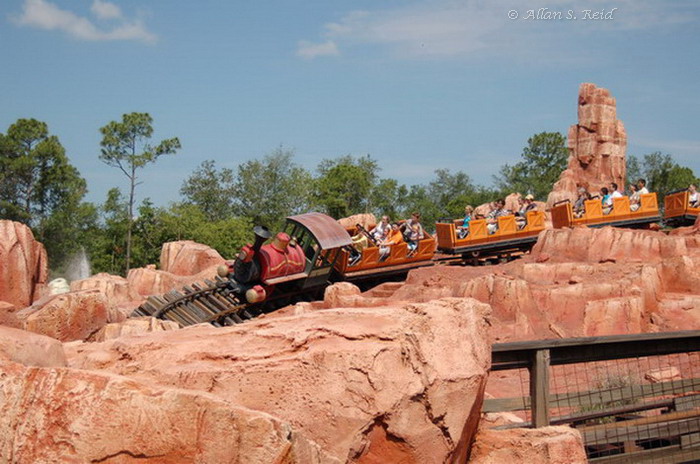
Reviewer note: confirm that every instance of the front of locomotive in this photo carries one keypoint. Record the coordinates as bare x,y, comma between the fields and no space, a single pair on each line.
259,267
294,264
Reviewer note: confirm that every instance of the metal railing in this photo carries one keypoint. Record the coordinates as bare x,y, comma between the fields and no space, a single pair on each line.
634,398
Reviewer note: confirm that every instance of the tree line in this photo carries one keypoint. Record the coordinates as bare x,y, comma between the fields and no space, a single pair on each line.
218,205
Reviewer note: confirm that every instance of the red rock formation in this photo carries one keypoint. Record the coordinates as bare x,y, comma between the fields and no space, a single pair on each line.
576,282
368,220
66,415
7,314
149,281
23,264
30,349
550,445
388,384
116,289
185,258
67,316
134,326
597,146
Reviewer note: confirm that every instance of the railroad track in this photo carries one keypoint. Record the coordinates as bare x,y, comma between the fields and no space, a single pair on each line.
212,302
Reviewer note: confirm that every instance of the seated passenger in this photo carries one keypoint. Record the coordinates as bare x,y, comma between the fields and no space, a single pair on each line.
414,232
614,192
693,197
393,237
359,243
606,200
641,190
634,197
492,217
463,230
528,205
580,203
642,187
381,229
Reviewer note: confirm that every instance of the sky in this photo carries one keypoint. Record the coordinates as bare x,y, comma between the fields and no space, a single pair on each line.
419,86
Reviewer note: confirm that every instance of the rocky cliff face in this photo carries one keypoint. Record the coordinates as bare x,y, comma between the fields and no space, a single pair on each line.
597,146
23,264
387,384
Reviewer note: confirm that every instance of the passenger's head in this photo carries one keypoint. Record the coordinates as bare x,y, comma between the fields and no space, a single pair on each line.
613,186
604,191
633,188
582,190
692,188
385,219
641,183
500,203
415,216
529,198
395,226
468,209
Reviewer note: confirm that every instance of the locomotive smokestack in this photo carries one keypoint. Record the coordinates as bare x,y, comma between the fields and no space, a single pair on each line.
262,233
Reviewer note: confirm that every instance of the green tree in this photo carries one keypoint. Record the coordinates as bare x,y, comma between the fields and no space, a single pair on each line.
633,169
36,178
271,189
388,198
126,145
344,185
543,160
39,187
212,190
664,175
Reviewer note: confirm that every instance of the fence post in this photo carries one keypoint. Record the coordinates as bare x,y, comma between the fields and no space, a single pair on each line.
539,388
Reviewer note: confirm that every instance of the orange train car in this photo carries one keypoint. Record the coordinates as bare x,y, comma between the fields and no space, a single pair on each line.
621,214
677,209
510,235
398,261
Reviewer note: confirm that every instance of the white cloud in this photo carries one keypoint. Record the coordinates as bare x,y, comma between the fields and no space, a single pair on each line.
105,10
46,15
458,28
309,50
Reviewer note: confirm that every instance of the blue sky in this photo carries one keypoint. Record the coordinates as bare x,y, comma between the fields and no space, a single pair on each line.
418,85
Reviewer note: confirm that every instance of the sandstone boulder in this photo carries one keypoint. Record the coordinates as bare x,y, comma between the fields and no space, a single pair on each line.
67,316
115,288
546,445
148,280
134,326
7,314
597,146
368,220
185,257
388,384
65,415
512,202
30,349
607,244
23,264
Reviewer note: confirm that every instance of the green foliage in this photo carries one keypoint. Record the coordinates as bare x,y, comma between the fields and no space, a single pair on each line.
662,173
271,189
212,190
39,187
445,197
543,160
36,178
345,185
388,198
126,145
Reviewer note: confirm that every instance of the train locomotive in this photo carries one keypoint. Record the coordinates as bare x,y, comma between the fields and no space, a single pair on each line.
295,265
